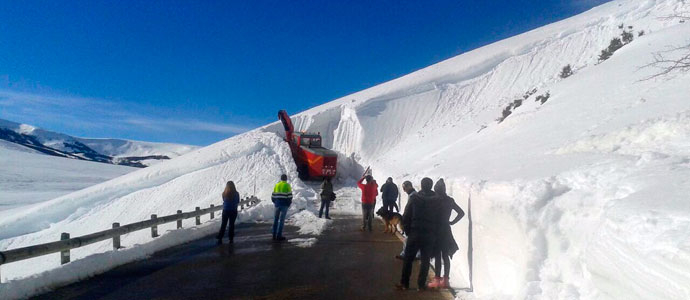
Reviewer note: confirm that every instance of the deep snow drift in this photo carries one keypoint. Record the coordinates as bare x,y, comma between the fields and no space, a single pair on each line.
581,197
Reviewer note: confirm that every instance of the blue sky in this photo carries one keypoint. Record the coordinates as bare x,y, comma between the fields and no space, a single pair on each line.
197,72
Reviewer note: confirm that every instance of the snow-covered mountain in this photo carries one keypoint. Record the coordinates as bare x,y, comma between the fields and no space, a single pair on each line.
579,192
113,151
28,177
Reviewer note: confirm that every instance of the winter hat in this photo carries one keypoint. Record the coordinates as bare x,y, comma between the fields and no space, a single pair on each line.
440,187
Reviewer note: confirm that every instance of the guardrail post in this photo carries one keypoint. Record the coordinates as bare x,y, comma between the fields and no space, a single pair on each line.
154,228
64,255
212,212
116,239
198,217
179,222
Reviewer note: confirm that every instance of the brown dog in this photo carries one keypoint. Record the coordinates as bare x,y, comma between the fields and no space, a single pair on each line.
391,219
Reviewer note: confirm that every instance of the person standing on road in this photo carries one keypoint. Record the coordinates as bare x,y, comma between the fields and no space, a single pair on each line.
445,243
282,199
327,196
389,194
409,189
231,198
369,193
420,221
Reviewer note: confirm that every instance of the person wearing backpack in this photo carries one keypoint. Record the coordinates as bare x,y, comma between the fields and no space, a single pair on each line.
327,196
231,198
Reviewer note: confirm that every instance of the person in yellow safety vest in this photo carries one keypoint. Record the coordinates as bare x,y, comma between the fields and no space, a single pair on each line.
282,198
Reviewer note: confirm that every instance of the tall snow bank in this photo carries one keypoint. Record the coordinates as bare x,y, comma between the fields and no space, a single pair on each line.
464,94
584,197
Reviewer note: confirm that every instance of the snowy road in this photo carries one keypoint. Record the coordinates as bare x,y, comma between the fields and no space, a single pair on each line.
344,264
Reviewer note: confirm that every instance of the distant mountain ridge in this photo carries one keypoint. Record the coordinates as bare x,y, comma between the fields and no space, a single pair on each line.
111,151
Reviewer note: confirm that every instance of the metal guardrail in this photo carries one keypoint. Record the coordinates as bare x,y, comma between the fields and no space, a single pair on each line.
65,244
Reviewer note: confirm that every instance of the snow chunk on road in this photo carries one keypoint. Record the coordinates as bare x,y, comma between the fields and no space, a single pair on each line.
309,223
303,242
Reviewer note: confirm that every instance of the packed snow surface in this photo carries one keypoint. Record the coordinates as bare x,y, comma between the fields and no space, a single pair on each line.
584,196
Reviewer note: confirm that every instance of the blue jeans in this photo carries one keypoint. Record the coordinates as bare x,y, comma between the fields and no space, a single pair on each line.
279,220
367,215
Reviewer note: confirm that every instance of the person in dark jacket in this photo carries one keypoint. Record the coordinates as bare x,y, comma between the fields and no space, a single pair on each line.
409,189
445,243
389,193
231,198
369,192
420,222
327,196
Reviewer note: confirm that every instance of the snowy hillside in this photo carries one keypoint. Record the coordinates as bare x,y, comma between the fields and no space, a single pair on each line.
114,151
28,177
580,196
123,149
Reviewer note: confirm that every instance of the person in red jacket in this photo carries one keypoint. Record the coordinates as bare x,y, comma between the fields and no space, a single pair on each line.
369,192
